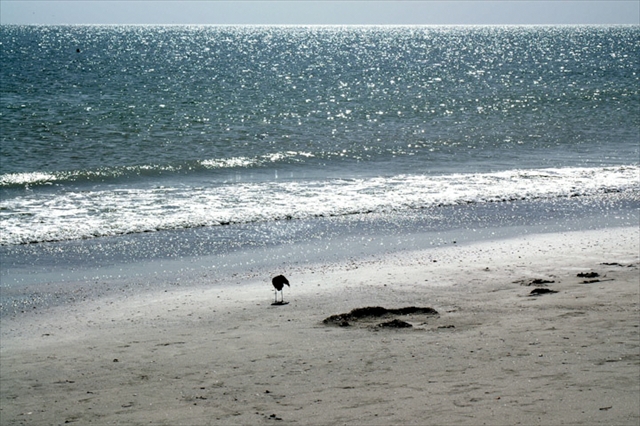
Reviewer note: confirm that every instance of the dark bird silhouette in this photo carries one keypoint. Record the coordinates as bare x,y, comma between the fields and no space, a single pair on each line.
279,282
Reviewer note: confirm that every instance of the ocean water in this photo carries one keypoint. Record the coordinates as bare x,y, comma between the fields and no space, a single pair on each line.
121,143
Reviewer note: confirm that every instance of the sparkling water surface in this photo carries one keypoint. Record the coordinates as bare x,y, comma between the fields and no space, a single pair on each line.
111,130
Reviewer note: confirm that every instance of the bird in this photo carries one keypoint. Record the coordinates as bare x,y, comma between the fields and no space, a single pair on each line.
279,283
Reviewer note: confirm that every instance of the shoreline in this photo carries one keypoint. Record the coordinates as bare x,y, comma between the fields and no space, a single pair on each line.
45,275
224,355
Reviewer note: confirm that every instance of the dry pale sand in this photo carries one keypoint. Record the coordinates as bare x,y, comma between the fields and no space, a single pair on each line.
493,355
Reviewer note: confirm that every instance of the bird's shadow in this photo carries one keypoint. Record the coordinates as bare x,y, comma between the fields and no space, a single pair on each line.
279,303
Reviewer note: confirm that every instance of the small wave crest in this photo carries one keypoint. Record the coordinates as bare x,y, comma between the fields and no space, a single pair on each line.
25,179
220,163
32,179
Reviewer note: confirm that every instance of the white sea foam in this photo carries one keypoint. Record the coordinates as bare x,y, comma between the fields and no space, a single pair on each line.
26,178
230,162
88,214
219,163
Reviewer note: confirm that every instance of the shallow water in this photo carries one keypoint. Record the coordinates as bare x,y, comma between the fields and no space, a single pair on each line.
55,273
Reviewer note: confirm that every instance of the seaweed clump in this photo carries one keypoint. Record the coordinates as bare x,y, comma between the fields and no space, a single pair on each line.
395,323
539,291
373,312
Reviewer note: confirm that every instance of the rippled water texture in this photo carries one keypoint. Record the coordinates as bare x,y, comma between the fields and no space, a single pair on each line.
116,130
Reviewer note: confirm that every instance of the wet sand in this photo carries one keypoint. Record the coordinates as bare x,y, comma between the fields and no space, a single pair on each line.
493,354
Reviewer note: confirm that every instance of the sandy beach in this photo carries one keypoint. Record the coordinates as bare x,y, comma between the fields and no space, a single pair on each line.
493,354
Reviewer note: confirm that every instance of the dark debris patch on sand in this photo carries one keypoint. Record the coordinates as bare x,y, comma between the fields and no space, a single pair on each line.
395,323
588,275
534,282
540,291
592,277
371,315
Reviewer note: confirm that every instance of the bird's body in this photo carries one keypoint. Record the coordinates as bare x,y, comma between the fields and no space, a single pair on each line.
278,283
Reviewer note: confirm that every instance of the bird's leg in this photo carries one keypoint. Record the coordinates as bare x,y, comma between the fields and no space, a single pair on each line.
282,295
276,297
